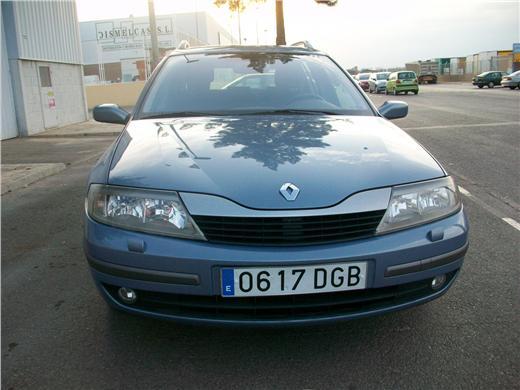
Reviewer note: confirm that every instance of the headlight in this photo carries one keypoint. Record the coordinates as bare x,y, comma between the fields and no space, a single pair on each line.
150,211
415,204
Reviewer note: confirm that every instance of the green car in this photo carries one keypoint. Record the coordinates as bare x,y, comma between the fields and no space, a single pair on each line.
404,81
488,78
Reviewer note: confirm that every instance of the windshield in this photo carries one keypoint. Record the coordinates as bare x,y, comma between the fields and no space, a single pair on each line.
243,83
406,75
382,76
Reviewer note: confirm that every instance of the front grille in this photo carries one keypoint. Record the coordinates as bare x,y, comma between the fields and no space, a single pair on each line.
279,307
309,230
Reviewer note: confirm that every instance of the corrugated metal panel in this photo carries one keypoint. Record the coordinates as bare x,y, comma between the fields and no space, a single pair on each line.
9,127
48,30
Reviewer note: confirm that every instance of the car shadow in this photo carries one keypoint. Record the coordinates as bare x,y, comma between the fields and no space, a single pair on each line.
129,335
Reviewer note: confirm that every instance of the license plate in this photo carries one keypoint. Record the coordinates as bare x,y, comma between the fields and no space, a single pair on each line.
309,279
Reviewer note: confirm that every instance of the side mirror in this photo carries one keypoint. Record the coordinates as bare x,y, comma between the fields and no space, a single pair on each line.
394,109
111,113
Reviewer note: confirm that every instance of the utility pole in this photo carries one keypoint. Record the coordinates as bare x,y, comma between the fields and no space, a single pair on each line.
153,34
280,25
239,26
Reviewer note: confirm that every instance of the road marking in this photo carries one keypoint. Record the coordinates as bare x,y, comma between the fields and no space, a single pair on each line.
464,191
462,126
512,222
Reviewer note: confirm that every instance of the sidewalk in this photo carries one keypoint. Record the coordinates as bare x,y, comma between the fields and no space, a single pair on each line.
30,159
83,129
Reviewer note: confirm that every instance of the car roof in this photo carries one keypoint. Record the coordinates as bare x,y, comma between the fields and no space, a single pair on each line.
244,49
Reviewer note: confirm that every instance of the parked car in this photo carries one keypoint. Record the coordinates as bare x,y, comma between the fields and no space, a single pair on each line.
295,203
377,82
512,81
402,81
362,79
490,79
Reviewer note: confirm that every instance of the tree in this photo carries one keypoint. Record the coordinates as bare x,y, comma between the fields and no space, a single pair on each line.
237,6
280,24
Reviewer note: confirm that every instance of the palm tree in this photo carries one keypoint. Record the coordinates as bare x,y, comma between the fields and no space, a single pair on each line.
239,5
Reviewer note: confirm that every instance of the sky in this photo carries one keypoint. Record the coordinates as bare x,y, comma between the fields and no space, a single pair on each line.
378,33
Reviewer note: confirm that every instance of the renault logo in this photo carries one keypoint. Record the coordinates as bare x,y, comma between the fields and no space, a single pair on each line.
289,191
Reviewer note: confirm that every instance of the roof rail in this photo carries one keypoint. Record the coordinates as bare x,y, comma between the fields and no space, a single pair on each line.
184,44
305,44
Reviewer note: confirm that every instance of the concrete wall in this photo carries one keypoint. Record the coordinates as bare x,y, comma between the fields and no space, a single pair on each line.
124,94
66,92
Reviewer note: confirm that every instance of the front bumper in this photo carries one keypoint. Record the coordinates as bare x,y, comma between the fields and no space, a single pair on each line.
179,279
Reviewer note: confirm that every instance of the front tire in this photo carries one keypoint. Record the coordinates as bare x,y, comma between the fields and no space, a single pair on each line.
395,92
491,84
480,86
512,87
415,92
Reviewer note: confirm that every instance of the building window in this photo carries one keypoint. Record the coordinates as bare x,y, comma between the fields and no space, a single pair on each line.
45,76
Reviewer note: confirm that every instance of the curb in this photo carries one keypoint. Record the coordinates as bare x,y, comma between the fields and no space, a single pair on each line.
78,135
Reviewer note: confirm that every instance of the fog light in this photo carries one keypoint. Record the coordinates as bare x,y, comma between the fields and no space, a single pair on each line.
438,282
127,295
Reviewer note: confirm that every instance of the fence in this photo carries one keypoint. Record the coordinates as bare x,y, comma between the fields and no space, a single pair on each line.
124,94
464,68
495,63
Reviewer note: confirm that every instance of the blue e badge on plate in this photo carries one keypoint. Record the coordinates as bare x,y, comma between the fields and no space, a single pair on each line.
228,282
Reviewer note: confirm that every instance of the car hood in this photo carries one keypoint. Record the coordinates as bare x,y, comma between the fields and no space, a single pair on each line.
248,158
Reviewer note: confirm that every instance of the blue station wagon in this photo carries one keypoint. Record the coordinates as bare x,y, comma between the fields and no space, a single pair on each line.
272,200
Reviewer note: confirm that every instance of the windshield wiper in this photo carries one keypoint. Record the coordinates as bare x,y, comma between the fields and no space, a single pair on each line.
289,111
177,114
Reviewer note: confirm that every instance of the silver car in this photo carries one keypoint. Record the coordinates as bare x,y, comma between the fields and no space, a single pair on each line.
377,82
512,81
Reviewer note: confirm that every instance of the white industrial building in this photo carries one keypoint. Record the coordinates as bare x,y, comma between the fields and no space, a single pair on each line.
118,50
42,78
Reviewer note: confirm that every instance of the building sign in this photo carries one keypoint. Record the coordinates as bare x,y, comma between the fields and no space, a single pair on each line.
516,57
127,31
516,52
51,101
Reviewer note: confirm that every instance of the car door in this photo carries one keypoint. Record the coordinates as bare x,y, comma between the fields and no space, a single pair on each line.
371,82
390,83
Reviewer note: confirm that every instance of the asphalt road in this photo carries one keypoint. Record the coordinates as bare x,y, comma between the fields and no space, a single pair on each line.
58,333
